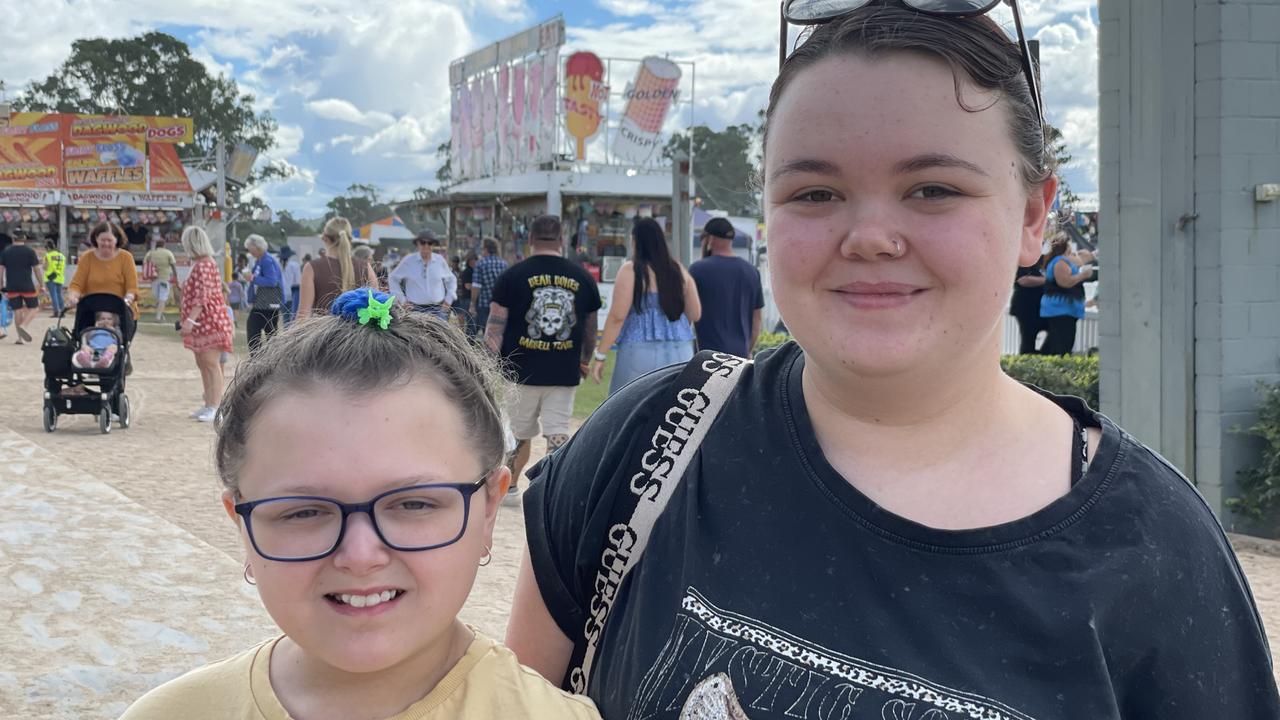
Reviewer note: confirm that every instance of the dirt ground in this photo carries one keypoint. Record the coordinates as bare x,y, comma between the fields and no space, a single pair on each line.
127,571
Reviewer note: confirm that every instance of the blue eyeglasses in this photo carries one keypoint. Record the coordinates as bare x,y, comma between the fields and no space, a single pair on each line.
299,528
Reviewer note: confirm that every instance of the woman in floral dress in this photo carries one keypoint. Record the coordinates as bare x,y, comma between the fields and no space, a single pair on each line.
206,326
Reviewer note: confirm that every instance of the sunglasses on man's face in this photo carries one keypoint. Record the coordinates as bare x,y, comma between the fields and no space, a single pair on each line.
817,12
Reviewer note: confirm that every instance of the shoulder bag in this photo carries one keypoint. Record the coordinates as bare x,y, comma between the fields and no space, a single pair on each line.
657,468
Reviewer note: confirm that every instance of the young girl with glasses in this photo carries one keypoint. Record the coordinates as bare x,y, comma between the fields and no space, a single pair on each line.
882,525
362,459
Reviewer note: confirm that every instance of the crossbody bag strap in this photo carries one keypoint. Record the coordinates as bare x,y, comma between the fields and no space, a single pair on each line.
693,402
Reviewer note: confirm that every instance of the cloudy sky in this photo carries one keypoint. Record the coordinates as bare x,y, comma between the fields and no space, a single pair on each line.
360,89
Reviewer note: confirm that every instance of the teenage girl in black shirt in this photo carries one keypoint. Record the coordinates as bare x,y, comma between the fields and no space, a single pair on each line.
882,525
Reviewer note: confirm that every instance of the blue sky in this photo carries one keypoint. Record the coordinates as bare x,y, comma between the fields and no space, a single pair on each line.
360,89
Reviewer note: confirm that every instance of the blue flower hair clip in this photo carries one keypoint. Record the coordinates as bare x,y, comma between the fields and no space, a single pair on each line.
364,306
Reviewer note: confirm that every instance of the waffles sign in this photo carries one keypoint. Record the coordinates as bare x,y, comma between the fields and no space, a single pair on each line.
132,153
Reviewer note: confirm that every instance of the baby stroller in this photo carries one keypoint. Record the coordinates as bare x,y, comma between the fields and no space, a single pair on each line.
103,393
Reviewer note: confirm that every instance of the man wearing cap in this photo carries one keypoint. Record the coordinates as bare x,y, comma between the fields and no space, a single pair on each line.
423,280
731,294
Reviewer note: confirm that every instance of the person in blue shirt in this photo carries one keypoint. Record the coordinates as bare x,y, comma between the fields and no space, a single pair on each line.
266,292
655,303
1063,303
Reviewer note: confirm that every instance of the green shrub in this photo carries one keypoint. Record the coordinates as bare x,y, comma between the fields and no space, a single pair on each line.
768,340
1260,485
1064,375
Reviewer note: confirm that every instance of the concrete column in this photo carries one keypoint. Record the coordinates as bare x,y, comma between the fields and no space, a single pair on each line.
1146,118
1190,124
554,206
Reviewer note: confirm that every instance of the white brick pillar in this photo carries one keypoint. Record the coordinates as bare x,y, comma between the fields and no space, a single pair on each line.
1190,291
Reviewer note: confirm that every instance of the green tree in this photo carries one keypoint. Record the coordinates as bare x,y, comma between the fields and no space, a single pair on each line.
360,204
444,174
154,74
1058,146
723,171
291,226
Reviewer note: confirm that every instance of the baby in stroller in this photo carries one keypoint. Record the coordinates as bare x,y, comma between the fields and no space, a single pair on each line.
99,344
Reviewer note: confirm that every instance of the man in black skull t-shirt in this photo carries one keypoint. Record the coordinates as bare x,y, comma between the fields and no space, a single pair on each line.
543,323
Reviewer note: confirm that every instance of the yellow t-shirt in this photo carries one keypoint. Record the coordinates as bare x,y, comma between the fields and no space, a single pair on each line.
164,261
486,683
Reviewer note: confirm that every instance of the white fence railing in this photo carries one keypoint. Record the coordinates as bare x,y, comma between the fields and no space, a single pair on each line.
1086,334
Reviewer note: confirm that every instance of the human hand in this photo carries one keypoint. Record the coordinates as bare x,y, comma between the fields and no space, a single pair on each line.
597,371
72,299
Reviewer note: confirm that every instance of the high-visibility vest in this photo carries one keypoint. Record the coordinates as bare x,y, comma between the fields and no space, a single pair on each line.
55,267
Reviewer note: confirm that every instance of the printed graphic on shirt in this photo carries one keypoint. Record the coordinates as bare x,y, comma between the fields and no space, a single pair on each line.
551,315
717,665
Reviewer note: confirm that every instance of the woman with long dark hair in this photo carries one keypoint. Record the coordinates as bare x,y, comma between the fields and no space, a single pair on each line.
655,303
1063,303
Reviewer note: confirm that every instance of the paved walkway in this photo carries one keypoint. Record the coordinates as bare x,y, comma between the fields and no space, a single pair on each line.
121,569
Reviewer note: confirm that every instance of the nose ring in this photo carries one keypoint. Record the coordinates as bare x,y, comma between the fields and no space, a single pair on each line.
897,249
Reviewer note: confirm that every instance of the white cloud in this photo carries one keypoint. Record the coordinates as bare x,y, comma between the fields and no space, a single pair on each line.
1038,12
283,56
630,8
339,109
405,135
510,11
1069,68
288,141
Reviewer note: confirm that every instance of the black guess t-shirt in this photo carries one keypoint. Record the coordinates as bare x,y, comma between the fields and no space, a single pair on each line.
772,589
548,300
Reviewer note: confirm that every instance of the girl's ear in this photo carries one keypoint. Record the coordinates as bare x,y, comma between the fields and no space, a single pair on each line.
495,490
229,505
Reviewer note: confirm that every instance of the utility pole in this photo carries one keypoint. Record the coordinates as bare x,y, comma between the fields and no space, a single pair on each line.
220,167
220,160
681,212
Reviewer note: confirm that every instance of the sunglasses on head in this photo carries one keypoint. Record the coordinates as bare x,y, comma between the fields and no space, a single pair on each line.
818,12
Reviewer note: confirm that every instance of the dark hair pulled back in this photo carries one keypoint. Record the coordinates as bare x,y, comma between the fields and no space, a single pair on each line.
976,49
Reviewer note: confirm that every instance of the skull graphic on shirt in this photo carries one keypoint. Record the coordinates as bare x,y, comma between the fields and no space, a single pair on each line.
551,314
